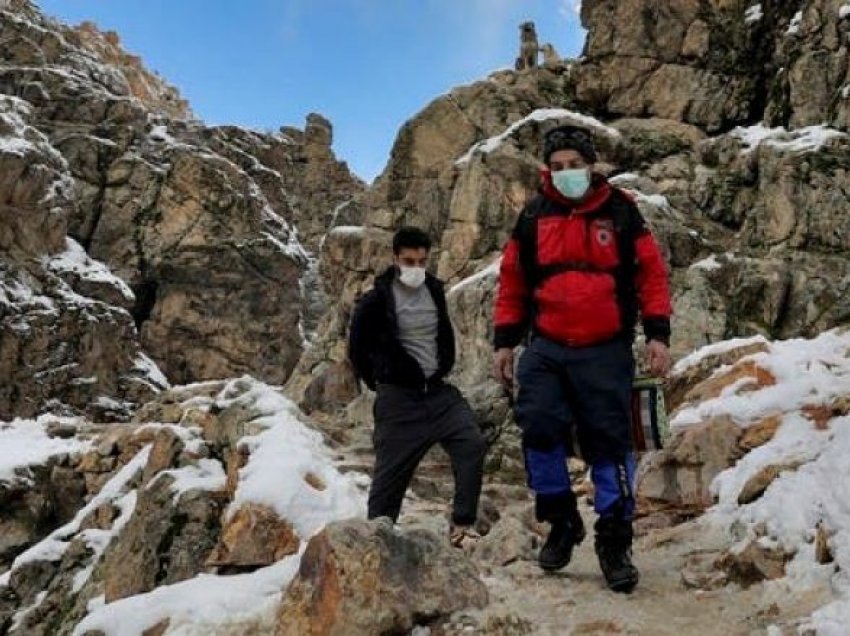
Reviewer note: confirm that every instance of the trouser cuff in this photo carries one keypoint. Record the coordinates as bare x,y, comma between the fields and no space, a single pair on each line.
555,507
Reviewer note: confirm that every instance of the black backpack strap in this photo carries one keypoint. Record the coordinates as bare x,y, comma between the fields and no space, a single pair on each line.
526,236
628,226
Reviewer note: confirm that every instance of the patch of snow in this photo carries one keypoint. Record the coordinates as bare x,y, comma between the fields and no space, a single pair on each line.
332,224
199,606
793,442
23,138
26,443
22,614
16,146
810,490
16,294
488,274
845,92
110,404
808,139
160,133
348,230
795,503
658,200
280,458
753,14
54,546
277,230
717,348
624,178
74,259
844,11
807,372
149,369
191,436
282,453
708,264
97,540
542,114
208,475
794,25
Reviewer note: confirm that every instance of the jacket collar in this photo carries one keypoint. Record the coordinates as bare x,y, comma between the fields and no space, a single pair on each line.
596,196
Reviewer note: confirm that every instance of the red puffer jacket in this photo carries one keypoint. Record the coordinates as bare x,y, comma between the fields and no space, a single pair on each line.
562,270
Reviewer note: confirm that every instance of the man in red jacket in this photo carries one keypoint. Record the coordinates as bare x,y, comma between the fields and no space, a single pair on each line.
580,265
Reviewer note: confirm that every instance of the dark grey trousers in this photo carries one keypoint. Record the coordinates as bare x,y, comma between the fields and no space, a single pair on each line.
408,422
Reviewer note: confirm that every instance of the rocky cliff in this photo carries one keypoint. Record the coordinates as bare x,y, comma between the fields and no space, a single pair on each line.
132,226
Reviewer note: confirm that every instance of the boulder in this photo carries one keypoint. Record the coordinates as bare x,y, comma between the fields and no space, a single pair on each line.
359,577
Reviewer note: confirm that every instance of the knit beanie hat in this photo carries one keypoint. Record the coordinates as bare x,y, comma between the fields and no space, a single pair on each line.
569,138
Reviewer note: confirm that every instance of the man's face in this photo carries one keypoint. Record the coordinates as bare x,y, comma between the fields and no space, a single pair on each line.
566,160
411,257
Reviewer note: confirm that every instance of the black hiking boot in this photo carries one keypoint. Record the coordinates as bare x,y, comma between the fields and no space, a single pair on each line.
614,549
566,532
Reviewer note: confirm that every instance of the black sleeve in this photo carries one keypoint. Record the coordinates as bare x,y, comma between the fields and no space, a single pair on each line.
446,335
361,338
657,329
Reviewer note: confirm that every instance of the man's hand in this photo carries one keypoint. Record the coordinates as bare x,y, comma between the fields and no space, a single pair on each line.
503,367
658,358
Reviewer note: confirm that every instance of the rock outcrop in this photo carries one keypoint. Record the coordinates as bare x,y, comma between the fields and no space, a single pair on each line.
196,225
717,64
686,104
203,491
68,339
367,578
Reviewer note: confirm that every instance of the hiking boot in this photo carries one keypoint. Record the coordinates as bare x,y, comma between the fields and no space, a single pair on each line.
463,537
566,529
614,549
556,553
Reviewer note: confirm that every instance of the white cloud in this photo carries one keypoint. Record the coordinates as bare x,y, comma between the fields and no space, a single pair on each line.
570,8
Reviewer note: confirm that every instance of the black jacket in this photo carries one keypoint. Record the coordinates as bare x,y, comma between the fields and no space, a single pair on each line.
373,345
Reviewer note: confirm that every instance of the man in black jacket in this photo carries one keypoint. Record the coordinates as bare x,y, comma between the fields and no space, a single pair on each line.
402,346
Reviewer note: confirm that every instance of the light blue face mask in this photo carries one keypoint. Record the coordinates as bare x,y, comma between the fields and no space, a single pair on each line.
572,183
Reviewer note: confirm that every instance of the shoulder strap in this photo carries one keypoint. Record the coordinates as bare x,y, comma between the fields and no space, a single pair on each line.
628,225
623,215
526,236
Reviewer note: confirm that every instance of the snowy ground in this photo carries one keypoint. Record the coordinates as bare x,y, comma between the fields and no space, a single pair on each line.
811,596
26,443
283,450
809,373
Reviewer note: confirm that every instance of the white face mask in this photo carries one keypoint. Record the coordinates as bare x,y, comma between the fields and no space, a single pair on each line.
411,276
572,183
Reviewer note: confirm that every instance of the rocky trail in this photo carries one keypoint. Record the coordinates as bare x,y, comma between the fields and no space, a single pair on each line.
525,600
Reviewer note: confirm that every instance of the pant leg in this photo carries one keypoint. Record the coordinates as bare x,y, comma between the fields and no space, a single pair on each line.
401,439
544,416
600,378
614,482
601,385
459,435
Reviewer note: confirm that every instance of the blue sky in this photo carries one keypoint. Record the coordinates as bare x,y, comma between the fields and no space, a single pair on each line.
367,65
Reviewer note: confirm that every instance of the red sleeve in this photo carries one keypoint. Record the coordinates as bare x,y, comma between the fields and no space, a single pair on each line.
510,311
